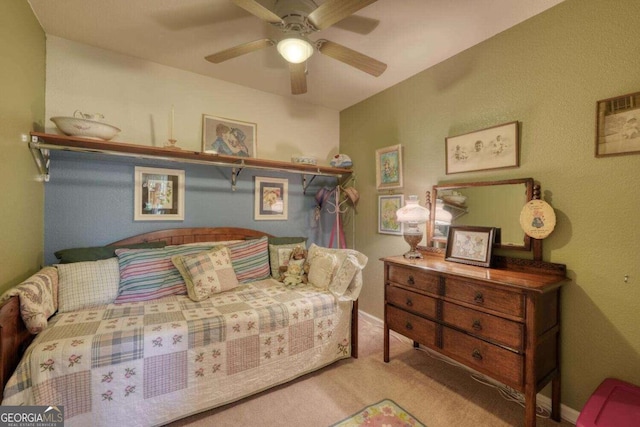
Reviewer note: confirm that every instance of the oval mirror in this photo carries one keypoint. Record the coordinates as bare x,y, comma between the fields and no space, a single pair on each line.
486,204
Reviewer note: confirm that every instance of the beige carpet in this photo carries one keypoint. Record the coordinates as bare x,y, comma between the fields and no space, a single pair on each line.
435,392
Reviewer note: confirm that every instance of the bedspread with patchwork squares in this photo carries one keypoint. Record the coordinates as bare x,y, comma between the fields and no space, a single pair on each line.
142,364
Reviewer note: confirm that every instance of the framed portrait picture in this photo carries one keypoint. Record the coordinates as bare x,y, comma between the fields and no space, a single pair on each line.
271,198
470,245
158,195
496,147
228,137
618,125
387,207
389,167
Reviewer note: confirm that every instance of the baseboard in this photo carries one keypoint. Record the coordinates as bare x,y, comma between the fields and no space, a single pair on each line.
566,413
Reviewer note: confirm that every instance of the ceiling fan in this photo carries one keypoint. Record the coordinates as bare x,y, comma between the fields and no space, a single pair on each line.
297,19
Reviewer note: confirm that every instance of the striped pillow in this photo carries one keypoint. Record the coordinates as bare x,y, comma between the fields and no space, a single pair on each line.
250,259
147,274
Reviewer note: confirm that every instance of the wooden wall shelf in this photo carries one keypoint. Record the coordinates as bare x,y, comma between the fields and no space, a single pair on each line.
41,143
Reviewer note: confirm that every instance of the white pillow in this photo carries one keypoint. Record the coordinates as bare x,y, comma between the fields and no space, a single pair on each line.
322,268
86,284
346,281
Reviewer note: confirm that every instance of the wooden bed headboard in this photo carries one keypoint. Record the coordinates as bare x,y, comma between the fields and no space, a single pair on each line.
14,337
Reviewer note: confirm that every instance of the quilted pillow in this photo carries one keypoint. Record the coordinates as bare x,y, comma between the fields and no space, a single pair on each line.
147,274
206,273
322,268
38,298
279,256
86,284
250,259
346,281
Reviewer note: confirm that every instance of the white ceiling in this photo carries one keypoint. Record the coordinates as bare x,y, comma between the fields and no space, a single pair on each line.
411,35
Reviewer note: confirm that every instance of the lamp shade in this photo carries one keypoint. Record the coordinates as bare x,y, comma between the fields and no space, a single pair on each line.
295,50
412,211
443,216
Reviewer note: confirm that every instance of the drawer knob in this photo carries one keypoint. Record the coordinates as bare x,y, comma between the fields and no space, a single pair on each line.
409,326
411,280
479,298
476,354
476,326
409,302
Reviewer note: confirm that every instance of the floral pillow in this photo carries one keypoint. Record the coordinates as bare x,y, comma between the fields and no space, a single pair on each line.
207,273
38,298
346,277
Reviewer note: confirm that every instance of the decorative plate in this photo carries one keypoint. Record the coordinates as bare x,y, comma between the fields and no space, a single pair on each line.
537,219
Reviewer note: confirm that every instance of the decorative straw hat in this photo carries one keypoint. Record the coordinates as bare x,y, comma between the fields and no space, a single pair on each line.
352,194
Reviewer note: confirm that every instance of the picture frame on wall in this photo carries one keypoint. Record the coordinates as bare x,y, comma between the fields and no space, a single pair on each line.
618,125
496,147
389,167
470,245
271,199
228,137
387,207
159,194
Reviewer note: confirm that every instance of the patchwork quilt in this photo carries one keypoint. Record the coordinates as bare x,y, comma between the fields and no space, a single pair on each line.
148,363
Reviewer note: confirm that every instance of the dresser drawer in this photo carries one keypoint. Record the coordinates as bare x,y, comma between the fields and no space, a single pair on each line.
497,362
414,278
475,293
415,327
493,328
411,301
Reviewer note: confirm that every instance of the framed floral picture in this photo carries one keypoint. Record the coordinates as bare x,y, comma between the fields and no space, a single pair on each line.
389,167
271,198
387,207
470,245
159,194
228,137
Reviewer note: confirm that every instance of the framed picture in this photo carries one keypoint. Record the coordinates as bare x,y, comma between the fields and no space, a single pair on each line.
271,198
618,125
228,137
158,195
389,167
470,245
387,207
496,147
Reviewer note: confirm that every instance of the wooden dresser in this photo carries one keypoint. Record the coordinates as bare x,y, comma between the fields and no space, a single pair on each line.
503,322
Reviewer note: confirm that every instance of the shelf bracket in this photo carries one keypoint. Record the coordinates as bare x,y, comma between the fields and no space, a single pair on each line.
235,173
41,157
306,184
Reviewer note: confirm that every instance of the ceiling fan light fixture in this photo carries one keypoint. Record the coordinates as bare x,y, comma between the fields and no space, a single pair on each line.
295,50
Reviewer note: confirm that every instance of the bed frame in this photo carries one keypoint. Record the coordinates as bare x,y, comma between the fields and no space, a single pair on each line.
15,338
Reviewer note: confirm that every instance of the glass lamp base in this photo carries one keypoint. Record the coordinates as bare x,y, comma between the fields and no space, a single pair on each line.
413,239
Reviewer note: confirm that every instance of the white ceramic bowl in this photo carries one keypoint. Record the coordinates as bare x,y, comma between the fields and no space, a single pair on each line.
84,128
457,200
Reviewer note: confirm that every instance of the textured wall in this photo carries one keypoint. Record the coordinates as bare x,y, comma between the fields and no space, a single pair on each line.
547,73
22,49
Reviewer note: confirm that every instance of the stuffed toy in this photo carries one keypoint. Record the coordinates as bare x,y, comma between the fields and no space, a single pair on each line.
296,271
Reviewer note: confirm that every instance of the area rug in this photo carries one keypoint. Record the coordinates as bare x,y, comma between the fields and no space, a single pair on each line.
385,413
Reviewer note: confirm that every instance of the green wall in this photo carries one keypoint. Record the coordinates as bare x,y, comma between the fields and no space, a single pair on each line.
22,79
548,72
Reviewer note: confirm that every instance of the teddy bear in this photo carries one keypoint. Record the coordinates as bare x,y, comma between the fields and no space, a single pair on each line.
296,271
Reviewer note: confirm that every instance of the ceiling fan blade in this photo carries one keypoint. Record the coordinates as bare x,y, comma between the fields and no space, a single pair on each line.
358,24
255,8
298,78
351,57
232,52
332,11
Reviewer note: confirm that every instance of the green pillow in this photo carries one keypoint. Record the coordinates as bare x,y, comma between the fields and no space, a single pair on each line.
286,240
67,256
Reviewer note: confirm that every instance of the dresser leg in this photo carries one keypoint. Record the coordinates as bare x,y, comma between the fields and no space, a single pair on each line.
555,398
386,342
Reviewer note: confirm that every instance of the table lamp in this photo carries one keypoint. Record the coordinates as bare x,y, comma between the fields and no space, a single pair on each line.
412,215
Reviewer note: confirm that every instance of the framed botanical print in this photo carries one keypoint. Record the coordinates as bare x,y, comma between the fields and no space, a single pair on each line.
228,137
389,167
271,198
159,194
470,245
387,207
